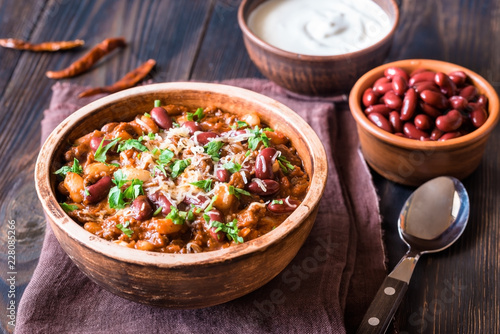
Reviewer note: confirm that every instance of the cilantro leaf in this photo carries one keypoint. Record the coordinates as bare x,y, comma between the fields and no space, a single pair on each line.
119,178
198,114
130,144
212,149
242,124
237,191
257,136
115,198
230,229
124,228
165,156
231,166
206,185
179,166
157,211
100,153
211,205
285,165
76,168
177,217
68,207
134,190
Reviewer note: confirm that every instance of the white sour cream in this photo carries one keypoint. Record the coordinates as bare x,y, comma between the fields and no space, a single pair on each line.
319,27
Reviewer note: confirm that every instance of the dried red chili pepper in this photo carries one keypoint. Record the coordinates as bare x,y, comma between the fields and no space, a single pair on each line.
88,60
129,80
18,44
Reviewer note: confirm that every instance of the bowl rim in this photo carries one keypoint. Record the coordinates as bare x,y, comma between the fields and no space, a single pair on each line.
109,249
368,78
312,58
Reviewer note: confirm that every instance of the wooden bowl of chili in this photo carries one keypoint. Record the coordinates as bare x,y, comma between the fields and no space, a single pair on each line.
182,280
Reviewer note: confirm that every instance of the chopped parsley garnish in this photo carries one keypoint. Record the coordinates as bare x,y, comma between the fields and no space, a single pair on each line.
86,192
157,211
241,124
179,166
257,136
157,103
276,201
206,185
231,166
134,190
68,207
100,153
165,156
212,149
237,191
176,216
115,198
230,229
247,153
124,228
211,205
285,165
76,168
147,114
198,114
130,144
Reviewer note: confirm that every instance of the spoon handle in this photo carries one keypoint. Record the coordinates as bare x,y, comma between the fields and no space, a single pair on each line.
383,307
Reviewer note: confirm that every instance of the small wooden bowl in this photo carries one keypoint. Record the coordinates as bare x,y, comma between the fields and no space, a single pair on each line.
413,162
314,75
182,280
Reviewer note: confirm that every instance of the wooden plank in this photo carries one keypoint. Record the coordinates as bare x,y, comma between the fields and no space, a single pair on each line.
222,54
19,23
167,31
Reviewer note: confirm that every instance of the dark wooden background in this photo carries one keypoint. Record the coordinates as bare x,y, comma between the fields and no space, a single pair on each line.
456,291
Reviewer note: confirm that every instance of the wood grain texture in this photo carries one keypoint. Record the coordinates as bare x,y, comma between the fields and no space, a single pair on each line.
454,291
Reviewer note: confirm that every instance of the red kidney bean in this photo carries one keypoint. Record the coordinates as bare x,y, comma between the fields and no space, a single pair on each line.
409,105
161,200
192,126
381,80
458,77
395,121
412,132
422,122
380,121
216,215
96,141
271,187
283,205
99,190
445,83
469,92
378,108
392,101
458,102
417,71
450,135
142,209
161,117
382,88
483,100
426,85
222,175
203,137
391,72
436,134
197,200
449,122
264,163
399,134
369,97
430,110
422,76
435,99
399,85
478,117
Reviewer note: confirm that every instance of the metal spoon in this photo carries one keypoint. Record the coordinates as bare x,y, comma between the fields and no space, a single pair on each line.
433,217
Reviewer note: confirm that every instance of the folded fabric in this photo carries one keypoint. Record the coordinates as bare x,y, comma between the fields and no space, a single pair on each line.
325,289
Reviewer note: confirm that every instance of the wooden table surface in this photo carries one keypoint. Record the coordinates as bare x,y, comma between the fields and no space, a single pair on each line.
456,291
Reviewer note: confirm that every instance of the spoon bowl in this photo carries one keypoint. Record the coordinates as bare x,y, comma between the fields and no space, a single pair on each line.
432,219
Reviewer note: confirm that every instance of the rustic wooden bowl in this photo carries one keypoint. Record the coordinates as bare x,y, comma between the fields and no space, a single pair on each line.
412,162
182,280
314,75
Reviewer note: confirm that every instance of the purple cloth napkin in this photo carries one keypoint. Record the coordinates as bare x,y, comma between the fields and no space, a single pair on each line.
325,289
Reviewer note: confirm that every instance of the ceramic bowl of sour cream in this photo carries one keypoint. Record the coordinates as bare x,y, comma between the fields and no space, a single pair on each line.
317,47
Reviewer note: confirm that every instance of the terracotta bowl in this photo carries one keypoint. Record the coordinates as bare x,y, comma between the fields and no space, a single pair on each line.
314,75
182,280
412,162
